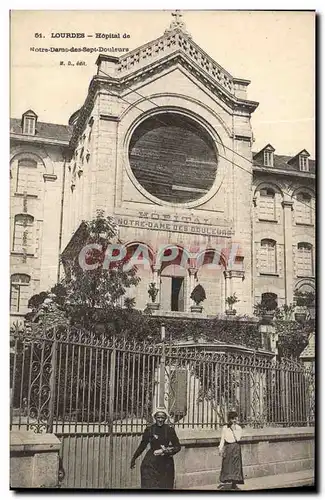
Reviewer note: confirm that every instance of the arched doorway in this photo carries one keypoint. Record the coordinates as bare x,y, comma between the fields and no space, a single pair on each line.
174,280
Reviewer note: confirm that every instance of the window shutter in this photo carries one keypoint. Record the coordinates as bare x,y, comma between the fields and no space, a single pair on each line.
267,204
304,260
268,256
303,208
27,177
19,292
23,233
14,298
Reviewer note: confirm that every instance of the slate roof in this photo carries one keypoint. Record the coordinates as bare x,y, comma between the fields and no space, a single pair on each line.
309,351
44,130
281,162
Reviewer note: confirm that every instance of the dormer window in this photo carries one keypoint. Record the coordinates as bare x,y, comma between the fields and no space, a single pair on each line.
29,122
268,158
303,163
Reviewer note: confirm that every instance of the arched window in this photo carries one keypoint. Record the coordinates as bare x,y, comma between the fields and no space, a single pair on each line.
23,233
303,208
268,261
19,292
305,259
269,300
267,204
27,176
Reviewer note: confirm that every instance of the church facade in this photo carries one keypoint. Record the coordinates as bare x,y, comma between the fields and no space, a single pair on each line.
163,143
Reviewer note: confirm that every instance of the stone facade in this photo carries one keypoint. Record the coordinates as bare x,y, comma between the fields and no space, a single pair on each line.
174,85
284,213
37,166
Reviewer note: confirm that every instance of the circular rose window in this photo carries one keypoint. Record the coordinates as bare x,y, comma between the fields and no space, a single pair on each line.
173,158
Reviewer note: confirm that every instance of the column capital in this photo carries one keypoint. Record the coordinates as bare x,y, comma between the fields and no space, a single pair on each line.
192,271
234,273
287,203
156,268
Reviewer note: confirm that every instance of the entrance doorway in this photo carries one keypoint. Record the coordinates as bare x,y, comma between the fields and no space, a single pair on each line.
173,288
177,294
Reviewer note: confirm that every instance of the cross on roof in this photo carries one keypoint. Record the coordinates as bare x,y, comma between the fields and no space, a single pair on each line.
177,14
177,23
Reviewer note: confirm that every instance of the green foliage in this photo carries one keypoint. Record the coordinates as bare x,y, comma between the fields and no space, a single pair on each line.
305,299
284,313
231,300
153,291
90,299
266,306
198,294
293,335
241,332
37,300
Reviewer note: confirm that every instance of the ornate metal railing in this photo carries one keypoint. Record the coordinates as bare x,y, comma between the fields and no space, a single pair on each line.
70,381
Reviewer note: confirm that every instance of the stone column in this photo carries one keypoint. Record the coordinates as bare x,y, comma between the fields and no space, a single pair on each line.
156,279
233,283
288,254
191,285
269,337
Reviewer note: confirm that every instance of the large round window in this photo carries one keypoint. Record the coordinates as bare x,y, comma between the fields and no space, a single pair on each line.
173,158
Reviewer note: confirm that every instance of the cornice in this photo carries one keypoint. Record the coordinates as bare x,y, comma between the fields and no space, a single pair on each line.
37,140
288,173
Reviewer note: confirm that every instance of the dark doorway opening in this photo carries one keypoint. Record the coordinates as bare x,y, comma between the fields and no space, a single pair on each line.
177,296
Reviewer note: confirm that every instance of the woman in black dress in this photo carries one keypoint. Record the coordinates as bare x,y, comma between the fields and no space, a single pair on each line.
157,468
232,466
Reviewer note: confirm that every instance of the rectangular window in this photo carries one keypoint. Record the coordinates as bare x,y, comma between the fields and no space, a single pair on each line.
27,175
268,158
14,297
267,205
23,234
268,257
19,292
304,260
303,164
29,126
303,209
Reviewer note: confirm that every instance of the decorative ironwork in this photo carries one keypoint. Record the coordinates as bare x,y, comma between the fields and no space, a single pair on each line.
70,379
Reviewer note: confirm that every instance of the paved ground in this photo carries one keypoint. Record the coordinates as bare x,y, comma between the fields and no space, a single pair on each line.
292,479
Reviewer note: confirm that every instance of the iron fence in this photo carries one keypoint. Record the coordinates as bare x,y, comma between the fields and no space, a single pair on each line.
75,382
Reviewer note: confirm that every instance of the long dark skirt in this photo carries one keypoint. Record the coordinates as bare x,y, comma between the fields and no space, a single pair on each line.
232,466
157,472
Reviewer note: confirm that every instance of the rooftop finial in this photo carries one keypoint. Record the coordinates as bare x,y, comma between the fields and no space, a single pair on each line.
177,23
177,14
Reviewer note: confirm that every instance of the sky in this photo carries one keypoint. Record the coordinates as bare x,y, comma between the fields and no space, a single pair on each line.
273,49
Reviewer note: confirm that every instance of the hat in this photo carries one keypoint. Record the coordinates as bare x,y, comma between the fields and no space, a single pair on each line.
160,410
232,414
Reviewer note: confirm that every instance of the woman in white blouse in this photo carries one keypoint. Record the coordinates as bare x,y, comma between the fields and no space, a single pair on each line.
229,449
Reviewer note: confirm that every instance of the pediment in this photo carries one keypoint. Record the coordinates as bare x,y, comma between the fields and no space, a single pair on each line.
175,48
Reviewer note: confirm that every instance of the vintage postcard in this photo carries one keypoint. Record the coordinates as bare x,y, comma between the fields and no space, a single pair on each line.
162,249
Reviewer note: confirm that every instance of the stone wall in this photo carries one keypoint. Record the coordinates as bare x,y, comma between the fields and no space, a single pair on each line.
34,460
265,452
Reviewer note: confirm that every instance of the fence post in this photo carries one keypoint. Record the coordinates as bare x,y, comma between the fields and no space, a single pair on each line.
112,375
112,387
162,370
269,337
49,427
